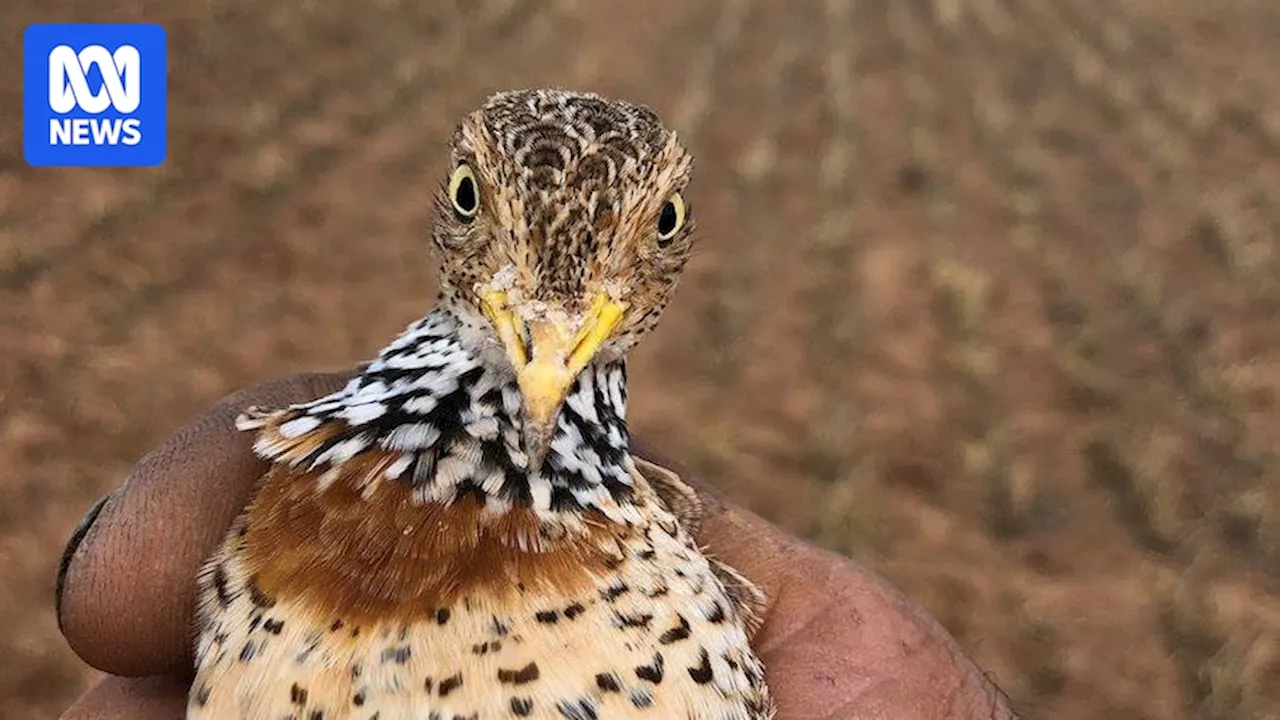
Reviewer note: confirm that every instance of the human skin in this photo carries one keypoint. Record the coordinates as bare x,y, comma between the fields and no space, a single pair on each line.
837,641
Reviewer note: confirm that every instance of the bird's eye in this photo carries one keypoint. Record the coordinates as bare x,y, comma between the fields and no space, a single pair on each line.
670,219
463,194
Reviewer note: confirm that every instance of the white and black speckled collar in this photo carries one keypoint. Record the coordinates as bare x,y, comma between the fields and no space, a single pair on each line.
453,424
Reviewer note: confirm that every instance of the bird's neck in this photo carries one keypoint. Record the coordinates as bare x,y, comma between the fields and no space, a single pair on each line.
433,414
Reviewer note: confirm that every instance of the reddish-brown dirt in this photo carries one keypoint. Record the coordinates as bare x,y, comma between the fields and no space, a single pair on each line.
986,294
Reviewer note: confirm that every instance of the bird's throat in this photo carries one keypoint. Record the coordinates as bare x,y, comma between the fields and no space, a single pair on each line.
431,414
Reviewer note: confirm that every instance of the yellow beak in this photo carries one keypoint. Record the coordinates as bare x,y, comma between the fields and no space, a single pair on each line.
561,346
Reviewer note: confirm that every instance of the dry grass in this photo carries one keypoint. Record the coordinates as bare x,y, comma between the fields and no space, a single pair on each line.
987,294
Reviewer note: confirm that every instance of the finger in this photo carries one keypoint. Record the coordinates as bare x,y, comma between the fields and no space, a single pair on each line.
841,642
116,698
837,640
128,593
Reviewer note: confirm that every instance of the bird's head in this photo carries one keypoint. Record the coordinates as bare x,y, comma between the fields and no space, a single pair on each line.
563,228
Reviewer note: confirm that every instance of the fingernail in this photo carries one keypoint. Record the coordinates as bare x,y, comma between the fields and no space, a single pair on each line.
77,536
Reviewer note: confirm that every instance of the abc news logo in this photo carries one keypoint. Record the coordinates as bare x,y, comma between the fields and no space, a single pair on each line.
121,90
95,95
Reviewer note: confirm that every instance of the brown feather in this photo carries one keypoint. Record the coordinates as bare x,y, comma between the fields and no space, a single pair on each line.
681,499
388,557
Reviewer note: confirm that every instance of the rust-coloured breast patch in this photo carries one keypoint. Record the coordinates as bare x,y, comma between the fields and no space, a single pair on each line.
389,557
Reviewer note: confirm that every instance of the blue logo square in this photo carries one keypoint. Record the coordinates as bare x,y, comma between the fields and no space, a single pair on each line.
94,95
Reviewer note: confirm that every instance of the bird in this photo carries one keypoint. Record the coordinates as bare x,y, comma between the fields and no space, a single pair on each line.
461,531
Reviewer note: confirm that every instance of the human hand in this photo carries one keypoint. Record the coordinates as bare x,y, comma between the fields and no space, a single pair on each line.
837,641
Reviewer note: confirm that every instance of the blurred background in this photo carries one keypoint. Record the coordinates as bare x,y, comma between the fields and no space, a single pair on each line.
986,298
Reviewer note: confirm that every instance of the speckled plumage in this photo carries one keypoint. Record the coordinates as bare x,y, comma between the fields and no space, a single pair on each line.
420,547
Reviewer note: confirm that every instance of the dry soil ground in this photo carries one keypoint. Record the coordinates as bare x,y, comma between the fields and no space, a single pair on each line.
987,294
